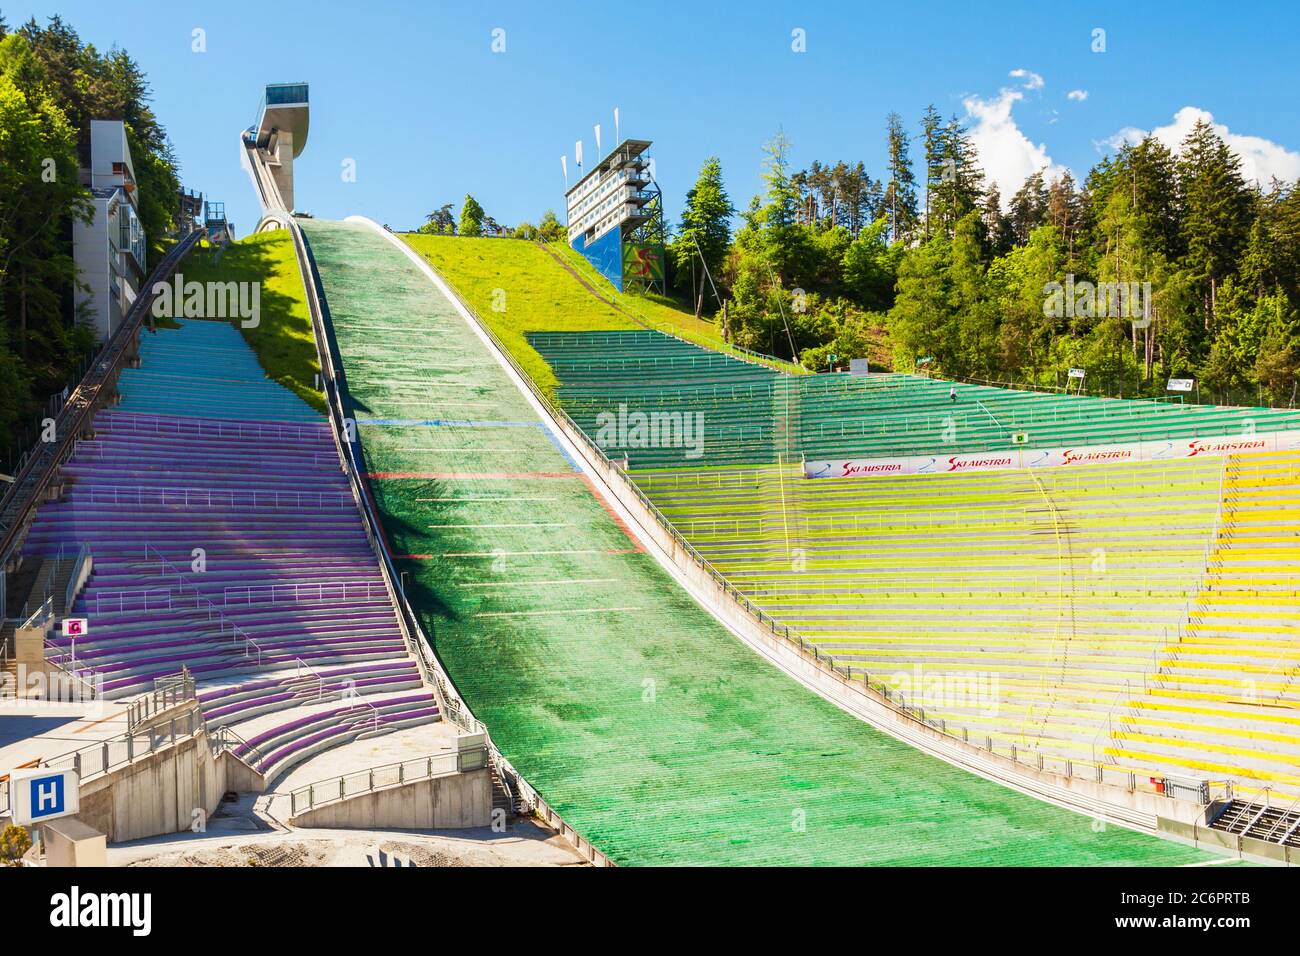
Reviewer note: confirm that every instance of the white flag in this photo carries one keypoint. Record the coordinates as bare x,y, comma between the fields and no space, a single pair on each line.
616,139
564,165
597,139
577,151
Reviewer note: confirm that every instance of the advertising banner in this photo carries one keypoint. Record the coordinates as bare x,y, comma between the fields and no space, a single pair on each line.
1054,457
642,262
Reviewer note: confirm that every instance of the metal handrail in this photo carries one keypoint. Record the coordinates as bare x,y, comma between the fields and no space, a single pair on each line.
336,788
70,594
167,692
21,499
37,619
224,738
124,748
1282,818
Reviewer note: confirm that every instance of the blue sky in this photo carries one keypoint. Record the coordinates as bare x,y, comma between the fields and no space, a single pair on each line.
414,94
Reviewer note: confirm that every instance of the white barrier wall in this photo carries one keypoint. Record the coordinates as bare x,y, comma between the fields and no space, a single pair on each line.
1166,450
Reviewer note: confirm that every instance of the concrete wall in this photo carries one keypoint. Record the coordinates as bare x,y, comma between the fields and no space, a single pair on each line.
164,791
1199,835
453,801
37,678
154,794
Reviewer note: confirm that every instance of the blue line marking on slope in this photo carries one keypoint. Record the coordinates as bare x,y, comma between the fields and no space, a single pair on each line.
560,448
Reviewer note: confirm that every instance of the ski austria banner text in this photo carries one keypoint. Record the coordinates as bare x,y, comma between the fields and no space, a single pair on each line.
1053,457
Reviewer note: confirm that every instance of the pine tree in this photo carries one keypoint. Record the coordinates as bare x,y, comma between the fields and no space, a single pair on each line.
704,233
900,193
933,146
1217,201
957,190
471,217
1028,208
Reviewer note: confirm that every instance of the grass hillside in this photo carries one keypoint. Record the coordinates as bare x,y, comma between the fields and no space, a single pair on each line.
519,287
661,313
283,338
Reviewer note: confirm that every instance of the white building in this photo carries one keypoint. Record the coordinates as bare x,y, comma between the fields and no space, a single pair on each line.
110,249
615,215
611,194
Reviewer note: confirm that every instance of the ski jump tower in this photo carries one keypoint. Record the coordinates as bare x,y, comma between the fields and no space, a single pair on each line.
271,145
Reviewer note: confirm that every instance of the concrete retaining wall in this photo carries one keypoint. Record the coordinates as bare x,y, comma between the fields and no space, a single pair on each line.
453,801
1199,835
167,791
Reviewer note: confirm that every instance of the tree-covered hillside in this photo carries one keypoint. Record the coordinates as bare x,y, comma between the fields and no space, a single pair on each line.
51,86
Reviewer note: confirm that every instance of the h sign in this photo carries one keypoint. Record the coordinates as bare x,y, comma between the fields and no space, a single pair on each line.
43,794
75,627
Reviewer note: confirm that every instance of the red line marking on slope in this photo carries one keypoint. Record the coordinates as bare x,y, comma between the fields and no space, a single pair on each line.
435,557
453,475
636,548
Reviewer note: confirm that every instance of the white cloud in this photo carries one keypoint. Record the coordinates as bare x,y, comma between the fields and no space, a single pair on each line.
1261,159
1032,80
1008,156
1077,95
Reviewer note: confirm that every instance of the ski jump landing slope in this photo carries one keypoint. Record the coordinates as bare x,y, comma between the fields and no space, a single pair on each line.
653,730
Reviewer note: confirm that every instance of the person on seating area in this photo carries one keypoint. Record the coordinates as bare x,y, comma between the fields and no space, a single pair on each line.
952,393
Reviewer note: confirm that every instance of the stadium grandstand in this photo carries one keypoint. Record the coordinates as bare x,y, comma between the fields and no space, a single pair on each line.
207,535
753,414
1136,613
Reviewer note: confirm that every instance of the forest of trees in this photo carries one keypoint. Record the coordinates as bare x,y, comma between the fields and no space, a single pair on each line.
474,222
927,265
51,86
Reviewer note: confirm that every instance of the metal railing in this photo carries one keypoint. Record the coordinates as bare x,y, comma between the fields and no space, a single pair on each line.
210,498
168,692
224,738
105,755
296,592
271,433
333,789
22,497
76,579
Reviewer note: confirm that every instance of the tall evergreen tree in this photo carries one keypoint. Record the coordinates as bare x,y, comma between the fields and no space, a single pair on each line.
704,233
900,191
471,217
1028,208
1217,205
933,147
